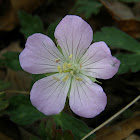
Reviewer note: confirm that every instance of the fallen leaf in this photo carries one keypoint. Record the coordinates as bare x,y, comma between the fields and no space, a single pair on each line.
4,137
9,18
119,131
133,137
124,16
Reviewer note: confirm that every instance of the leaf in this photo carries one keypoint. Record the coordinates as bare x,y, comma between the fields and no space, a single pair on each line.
22,112
115,38
47,131
3,104
68,135
12,60
78,128
128,62
30,24
51,29
37,77
4,85
87,7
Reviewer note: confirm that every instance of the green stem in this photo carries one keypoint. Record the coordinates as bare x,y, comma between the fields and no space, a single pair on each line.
110,119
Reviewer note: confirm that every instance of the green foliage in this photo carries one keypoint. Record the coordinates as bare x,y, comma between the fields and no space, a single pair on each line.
118,39
22,111
3,102
47,131
11,60
4,85
87,7
51,29
128,62
30,24
129,1
78,128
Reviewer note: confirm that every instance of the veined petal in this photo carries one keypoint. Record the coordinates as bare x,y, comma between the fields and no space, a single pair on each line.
49,95
98,62
87,99
39,55
74,36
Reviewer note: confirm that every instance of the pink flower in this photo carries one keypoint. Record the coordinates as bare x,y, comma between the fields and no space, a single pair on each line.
79,60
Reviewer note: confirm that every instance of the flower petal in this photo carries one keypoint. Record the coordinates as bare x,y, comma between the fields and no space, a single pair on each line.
74,36
87,99
98,62
39,55
49,95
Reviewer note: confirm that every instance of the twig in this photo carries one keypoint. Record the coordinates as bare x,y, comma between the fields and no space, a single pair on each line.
111,118
16,91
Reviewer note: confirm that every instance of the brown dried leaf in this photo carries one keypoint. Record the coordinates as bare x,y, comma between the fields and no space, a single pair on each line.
124,16
133,137
9,19
20,80
4,137
119,131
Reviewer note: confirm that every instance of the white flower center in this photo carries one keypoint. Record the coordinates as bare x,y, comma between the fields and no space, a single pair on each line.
72,69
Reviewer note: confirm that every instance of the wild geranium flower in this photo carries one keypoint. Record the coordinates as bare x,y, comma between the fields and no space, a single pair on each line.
78,60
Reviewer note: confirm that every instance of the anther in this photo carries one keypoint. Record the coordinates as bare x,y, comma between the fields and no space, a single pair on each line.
80,66
71,72
64,66
78,78
59,69
70,56
55,78
57,60
66,77
69,65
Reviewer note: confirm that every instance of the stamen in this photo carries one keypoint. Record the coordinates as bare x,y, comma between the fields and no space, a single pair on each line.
70,56
55,78
66,77
80,66
78,78
59,69
64,66
57,60
69,65
71,72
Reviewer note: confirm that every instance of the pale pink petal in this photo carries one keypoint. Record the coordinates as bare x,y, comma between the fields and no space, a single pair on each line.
39,55
87,99
74,36
98,62
49,95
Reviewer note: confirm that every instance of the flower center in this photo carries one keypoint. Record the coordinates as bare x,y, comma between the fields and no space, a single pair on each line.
72,69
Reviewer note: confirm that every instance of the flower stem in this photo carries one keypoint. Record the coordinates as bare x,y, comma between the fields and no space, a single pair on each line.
111,118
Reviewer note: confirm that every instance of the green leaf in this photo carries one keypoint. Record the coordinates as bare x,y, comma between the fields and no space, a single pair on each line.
78,128
58,135
68,135
30,24
129,1
3,104
47,131
87,7
22,112
51,29
12,60
4,85
117,39
129,62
